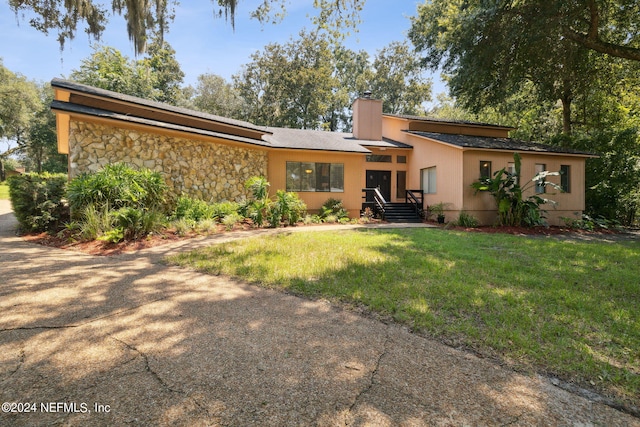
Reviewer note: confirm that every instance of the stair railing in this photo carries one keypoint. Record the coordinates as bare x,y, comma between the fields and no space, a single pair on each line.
411,197
378,201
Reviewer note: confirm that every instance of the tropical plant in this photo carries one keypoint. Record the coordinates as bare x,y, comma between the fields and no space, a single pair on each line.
333,208
117,186
192,209
513,209
287,207
258,207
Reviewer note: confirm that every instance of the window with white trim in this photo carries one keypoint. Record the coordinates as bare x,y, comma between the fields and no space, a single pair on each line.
428,182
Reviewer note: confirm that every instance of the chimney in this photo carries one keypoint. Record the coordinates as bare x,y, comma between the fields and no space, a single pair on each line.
367,118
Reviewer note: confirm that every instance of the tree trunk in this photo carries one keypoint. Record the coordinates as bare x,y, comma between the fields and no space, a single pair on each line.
567,98
2,173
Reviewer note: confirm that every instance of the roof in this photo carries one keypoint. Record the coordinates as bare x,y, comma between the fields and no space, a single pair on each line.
95,112
96,102
386,143
302,139
489,143
451,121
103,93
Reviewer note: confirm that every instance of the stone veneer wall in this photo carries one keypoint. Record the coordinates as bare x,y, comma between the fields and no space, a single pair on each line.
206,170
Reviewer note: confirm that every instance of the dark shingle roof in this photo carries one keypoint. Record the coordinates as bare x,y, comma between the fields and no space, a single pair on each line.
81,109
302,139
489,143
102,93
386,142
452,121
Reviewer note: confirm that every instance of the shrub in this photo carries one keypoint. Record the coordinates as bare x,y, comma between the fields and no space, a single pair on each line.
287,207
222,209
136,223
232,219
94,223
117,186
466,220
38,200
193,209
260,206
333,207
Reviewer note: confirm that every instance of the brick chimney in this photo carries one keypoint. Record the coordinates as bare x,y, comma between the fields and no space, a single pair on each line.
367,118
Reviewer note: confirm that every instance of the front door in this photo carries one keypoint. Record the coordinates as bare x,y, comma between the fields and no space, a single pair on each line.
382,180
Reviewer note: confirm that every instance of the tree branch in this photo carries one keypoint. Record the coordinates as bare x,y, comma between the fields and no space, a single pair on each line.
620,51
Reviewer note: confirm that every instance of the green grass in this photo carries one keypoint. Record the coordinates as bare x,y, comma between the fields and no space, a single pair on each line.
4,191
564,308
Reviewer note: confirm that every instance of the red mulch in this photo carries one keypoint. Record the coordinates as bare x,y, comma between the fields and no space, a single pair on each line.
64,240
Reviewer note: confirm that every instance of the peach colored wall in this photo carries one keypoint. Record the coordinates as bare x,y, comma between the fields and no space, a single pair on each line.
354,178
448,162
482,205
393,167
367,119
392,128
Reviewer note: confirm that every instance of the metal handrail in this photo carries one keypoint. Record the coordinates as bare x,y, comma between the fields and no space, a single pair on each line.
418,204
378,199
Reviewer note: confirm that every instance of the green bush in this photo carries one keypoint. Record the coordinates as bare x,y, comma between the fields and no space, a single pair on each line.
222,209
466,220
193,209
333,208
287,207
38,200
135,222
117,186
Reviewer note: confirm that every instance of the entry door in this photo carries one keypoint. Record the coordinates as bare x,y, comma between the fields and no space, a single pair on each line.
382,180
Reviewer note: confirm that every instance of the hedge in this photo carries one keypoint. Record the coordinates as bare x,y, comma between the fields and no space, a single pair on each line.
38,200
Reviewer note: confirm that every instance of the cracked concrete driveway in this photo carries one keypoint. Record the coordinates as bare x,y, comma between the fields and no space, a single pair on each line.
127,340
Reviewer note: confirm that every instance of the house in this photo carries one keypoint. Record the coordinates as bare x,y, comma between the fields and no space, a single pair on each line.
210,157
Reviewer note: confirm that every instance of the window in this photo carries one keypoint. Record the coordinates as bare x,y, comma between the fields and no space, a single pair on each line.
327,177
428,180
485,169
378,158
540,187
565,178
401,159
401,184
511,168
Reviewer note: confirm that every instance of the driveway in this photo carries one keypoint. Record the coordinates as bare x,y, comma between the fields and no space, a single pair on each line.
126,340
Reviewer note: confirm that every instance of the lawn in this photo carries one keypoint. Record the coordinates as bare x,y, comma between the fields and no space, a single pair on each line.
565,308
4,191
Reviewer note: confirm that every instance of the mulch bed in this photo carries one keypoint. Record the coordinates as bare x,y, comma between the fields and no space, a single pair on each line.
64,239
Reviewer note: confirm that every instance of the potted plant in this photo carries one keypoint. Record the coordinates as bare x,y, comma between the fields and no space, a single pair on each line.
438,211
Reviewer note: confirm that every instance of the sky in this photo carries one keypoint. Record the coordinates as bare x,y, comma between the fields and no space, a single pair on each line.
203,43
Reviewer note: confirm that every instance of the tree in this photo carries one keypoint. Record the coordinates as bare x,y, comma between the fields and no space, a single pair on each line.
146,17
161,61
398,80
213,94
18,103
41,152
289,85
490,49
156,77
109,69
613,179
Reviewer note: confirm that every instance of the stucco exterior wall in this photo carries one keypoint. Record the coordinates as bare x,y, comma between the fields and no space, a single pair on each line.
354,178
209,170
482,205
448,163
